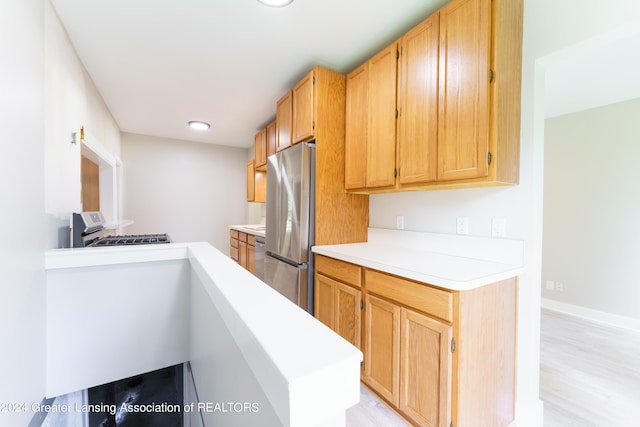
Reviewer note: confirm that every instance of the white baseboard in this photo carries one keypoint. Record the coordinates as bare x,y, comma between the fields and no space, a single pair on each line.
591,314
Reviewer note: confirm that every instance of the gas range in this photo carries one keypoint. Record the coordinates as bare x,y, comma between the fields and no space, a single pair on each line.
87,230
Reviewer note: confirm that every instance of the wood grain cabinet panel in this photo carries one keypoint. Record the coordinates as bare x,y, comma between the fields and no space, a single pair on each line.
357,114
271,138
382,348
338,304
284,112
417,135
260,150
458,104
381,143
465,46
425,369
303,109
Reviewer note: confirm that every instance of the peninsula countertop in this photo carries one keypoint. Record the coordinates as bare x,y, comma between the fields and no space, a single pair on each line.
453,262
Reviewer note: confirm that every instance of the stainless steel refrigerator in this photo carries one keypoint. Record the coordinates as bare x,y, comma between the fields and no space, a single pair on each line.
288,264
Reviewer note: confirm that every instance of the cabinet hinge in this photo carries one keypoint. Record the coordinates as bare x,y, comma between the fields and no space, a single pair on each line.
397,113
313,124
453,345
395,172
490,75
361,305
397,54
313,80
489,157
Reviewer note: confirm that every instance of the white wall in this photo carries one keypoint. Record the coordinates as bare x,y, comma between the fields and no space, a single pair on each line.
22,321
72,101
591,208
191,190
550,27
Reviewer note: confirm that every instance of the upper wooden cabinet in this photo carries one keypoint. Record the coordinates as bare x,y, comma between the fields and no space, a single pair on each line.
260,150
256,184
271,138
264,146
303,109
370,147
284,121
463,125
458,104
417,134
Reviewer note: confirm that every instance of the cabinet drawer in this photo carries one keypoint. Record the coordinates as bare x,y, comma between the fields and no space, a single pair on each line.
234,234
242,236
435,302
234,243
339,270
251,239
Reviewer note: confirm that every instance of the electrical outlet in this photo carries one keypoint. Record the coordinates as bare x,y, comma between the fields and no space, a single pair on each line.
499,227
400,222
462,225
550,285
559,286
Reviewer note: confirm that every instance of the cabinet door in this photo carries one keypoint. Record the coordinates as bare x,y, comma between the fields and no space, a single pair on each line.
260,150
347,316
271,138
463,124
381,142
283,122
356,127
303,117
425,369
251,258
382,347
251,189
418,103
323,304
242,253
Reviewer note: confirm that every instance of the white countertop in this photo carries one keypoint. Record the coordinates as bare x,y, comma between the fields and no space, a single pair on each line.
255,229
448,261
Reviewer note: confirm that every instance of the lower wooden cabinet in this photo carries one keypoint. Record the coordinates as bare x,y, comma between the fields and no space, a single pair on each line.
425,369
439,357
338,304
382,348
242,249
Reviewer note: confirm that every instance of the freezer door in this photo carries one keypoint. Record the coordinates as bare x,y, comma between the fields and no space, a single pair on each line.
288,203
291,281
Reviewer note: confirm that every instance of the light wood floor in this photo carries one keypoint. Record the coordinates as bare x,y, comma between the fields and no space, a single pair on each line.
589,373
589,376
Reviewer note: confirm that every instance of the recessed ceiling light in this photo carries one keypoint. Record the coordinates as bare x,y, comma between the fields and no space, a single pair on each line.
198,125
276,3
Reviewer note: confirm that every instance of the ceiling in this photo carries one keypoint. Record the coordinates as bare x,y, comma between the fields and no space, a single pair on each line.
161,63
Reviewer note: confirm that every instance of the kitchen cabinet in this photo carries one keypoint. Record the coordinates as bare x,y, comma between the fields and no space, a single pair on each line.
234,245
407,357
437,356
256,184
242,249
264,146
458,104
260,150
271,138
337,297
371,122
303,109
417,133
284,113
